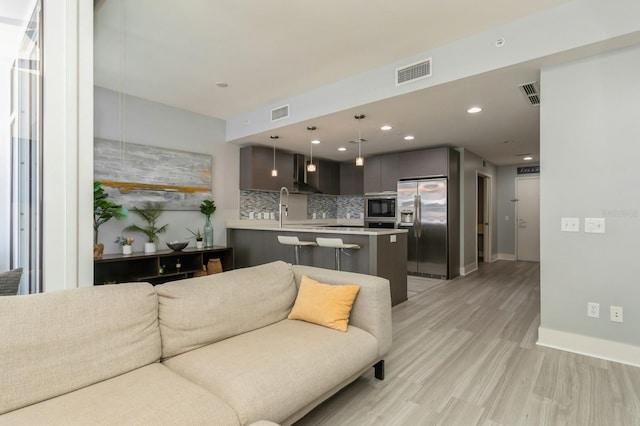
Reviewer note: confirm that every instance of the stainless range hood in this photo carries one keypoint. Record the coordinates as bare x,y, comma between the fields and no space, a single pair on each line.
300,184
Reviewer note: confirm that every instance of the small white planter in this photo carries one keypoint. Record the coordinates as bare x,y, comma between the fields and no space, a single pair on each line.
127,249
199,244
149,247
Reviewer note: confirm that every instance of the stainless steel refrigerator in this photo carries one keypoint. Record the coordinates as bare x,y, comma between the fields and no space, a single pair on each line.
423,209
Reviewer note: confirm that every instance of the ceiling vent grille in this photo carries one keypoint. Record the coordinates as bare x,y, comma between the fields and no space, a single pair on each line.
280,113
413,72
530,92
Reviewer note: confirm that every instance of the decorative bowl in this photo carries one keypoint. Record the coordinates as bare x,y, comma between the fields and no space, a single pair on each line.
177,245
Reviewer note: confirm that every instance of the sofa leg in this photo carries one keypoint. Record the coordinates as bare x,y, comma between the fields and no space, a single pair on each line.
379,370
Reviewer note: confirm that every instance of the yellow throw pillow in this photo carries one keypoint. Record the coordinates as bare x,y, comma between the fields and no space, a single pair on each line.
324,304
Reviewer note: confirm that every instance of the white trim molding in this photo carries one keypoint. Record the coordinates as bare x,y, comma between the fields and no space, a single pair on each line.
472,267
591,346
506,256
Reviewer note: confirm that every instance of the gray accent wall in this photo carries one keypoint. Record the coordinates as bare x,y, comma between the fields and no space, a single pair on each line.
155,124
506,191
590,145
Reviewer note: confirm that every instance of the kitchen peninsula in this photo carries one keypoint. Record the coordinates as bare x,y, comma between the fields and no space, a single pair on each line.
383,252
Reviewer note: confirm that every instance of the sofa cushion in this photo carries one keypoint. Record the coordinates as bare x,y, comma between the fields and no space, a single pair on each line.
324,304
272,372
151,395
199,311
57,342
372,308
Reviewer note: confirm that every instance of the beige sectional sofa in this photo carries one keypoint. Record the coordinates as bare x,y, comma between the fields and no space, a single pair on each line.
215,350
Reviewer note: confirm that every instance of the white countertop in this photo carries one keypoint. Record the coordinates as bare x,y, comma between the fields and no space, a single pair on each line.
313,227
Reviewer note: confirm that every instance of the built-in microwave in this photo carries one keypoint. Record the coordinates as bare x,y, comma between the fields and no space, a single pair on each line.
380,206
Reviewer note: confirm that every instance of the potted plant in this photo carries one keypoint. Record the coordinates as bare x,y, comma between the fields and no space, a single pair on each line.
197,235
103,211
150,212
125,243
207,208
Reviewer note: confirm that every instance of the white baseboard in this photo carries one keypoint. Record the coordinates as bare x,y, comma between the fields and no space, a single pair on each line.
464,270
506,256
590,346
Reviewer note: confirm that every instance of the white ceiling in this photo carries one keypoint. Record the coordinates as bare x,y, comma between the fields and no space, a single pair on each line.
270,50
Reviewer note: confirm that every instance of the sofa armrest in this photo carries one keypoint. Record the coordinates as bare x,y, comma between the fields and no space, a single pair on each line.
372,308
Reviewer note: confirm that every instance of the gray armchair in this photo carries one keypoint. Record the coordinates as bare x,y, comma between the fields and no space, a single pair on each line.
10,282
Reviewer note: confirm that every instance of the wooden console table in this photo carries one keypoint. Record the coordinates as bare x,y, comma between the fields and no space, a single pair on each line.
159,267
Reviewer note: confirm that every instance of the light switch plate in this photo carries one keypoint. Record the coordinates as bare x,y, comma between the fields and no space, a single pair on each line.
594,225
570,224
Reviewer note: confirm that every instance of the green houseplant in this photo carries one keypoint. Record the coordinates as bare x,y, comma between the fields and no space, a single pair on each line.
197,235
103,211
207,208
150,212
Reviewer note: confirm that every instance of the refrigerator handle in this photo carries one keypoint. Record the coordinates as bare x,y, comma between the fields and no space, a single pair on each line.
416,216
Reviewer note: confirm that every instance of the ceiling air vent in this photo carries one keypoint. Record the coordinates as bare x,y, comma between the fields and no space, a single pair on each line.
530,93
280,113
413,72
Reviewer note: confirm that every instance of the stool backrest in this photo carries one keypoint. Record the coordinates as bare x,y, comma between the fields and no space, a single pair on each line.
294,241
330,242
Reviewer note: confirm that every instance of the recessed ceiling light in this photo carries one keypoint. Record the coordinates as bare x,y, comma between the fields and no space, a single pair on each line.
222,84
409,138
315,141
386,127
528,158
342,148
474,110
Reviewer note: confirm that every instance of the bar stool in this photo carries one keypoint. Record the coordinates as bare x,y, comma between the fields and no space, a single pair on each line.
338,245
296,243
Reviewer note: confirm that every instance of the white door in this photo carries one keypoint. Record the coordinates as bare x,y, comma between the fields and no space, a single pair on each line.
528,219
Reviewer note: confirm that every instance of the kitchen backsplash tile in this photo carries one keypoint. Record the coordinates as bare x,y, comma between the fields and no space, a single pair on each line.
261,204
323,206
258,203
350,207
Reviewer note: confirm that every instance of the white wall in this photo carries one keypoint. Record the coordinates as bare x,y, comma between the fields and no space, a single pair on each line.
470,166
590,149
151,123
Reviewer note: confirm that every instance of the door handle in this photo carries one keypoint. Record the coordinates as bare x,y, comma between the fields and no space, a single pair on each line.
418,217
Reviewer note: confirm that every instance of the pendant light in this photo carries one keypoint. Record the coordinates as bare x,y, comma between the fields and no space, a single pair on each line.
311,167
274,171
359,158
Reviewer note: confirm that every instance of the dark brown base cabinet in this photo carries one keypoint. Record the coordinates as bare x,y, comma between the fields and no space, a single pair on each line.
159,267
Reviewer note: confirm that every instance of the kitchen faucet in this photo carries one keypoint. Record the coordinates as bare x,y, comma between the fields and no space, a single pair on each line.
281,205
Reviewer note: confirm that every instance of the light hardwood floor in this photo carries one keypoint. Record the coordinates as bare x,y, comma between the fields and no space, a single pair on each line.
464,353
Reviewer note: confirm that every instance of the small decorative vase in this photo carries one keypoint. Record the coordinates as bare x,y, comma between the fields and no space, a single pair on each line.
199,244
208,233
127,249
98,249
149,247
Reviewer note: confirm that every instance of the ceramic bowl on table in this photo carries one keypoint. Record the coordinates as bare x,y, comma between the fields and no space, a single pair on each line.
177,245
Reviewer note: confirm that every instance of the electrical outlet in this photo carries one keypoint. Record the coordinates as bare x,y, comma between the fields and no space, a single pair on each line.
593,310
570,224
615,313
